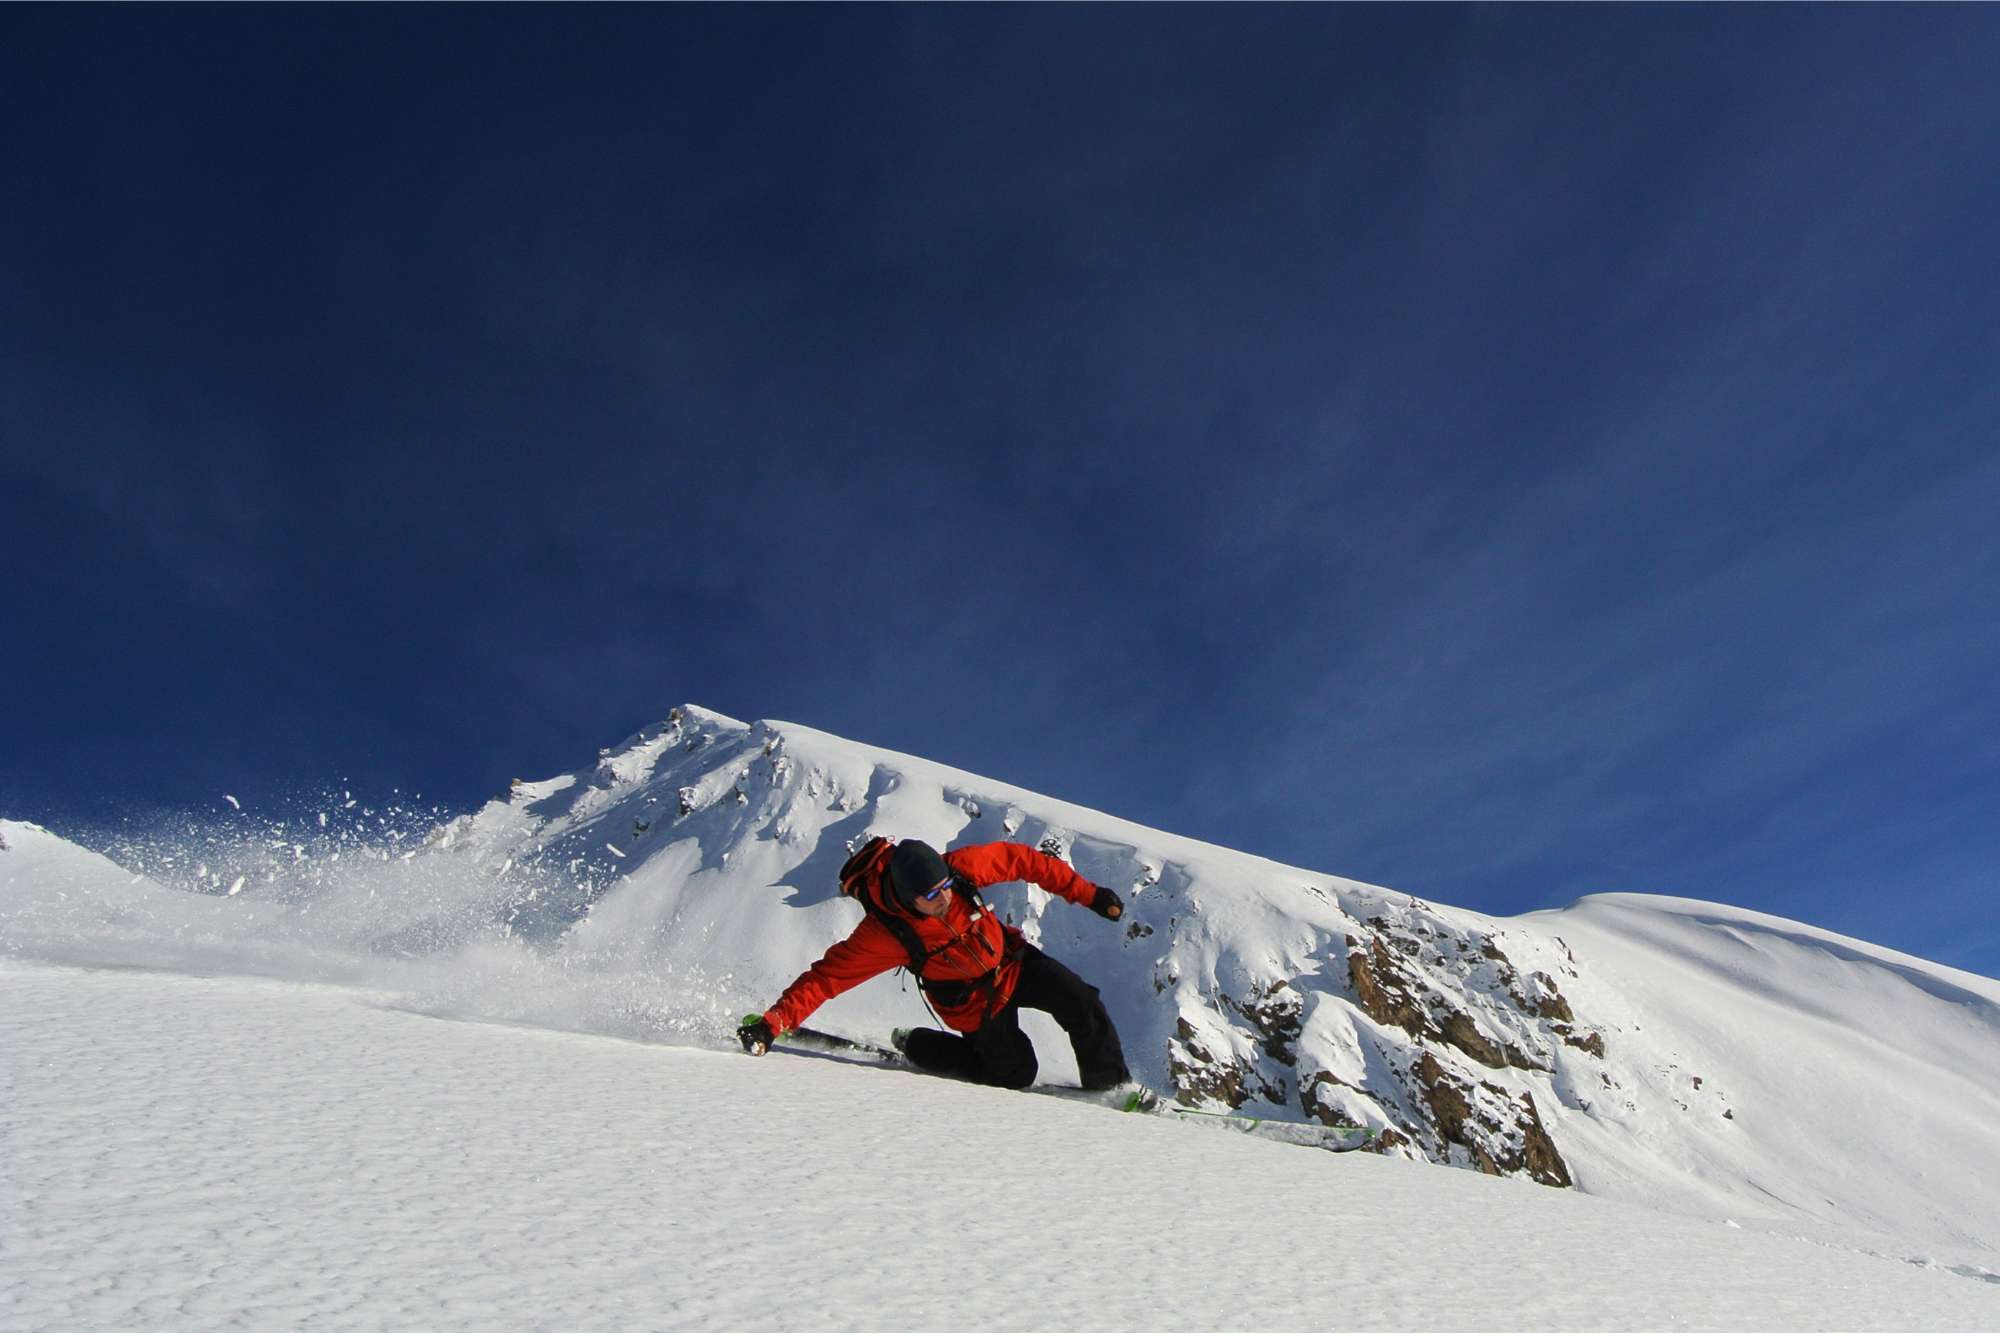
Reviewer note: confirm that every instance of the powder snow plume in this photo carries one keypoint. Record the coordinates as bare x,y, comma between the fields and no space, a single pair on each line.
336,891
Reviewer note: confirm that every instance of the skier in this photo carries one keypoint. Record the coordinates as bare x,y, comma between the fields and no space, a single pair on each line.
925,913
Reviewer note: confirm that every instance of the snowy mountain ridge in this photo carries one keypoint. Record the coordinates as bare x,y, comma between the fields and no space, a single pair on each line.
1670,1052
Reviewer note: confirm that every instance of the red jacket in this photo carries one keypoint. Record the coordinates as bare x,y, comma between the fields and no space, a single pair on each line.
968,947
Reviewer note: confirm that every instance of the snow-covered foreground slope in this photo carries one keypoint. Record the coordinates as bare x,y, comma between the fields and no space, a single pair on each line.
1735,1068
219,1152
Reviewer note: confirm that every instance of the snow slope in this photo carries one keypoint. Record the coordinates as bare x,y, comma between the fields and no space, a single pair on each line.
1752,1072
216,1152
1861,1085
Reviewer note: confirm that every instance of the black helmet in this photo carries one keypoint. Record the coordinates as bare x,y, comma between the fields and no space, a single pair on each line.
915,869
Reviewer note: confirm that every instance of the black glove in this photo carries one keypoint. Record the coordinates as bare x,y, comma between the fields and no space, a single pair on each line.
756,1035
1107,904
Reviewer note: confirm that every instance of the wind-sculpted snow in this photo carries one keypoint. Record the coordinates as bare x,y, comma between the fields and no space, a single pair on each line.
1679,1054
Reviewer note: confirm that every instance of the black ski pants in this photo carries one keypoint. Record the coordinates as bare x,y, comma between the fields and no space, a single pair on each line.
1000,1053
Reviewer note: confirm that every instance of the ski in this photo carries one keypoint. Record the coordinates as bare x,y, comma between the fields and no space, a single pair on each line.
812,1039
1135,1099
1328,1138
1143,1100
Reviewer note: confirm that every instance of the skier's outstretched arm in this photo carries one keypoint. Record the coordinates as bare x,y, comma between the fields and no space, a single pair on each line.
999,862
868,952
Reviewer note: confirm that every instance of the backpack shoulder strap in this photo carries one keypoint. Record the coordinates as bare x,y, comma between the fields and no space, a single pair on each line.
905,933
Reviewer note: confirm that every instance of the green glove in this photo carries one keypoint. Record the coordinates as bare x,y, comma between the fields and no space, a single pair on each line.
755,1034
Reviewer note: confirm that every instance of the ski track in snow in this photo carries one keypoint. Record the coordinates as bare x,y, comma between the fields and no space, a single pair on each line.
221,1152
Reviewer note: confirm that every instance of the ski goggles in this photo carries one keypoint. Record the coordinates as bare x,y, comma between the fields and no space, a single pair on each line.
930,894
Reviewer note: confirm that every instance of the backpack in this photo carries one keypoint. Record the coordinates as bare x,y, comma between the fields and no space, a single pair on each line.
864,878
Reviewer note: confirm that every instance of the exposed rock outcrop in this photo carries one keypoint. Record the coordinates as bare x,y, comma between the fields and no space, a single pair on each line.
1502,1134
1199,1074
1442,1005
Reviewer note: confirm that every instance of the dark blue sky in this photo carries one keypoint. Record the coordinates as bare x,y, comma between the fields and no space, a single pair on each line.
1498,453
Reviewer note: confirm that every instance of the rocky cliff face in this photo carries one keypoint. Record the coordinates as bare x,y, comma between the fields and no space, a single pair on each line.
1393,1014
1238,984
1423,1011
